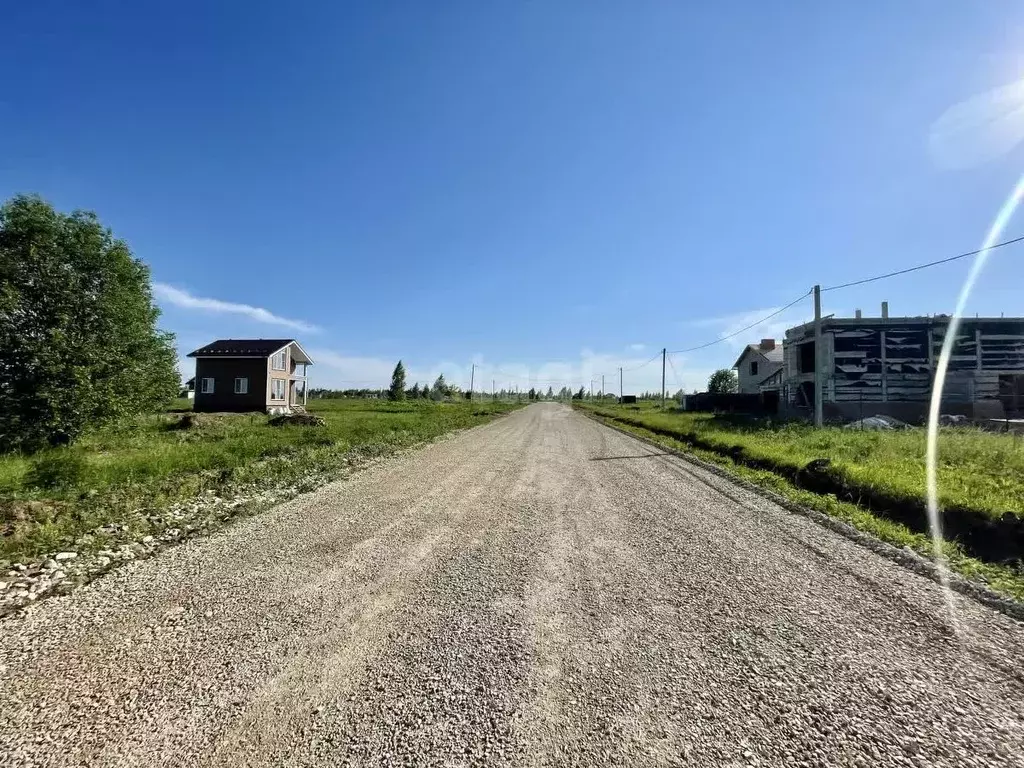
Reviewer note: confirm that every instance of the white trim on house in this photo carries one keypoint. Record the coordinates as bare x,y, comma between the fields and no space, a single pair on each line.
281,356
207,385
294,343
241,385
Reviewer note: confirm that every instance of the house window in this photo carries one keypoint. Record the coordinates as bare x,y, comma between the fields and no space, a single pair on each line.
753,367
278,360
207,386
277,389
242,385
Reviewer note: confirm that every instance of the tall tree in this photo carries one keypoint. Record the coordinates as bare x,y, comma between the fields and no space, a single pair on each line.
78,334
532,394
440,388
551,392
397,389
723,382
415,391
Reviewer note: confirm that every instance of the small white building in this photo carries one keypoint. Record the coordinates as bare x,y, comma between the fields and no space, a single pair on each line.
756,364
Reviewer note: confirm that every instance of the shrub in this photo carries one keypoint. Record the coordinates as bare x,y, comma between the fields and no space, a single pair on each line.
57,469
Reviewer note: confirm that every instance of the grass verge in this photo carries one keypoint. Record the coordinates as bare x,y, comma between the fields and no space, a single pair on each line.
117,485
1003,578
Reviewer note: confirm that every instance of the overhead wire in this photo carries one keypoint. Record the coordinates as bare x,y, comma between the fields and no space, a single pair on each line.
675,373
642,365
744,328
850,284
919,267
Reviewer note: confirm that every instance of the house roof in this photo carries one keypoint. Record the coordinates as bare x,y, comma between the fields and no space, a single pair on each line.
773,355
250,348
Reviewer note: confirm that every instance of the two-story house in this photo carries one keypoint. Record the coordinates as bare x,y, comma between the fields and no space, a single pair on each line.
756,364
250,375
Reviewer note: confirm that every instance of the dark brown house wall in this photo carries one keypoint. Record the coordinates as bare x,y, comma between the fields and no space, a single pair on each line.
224,371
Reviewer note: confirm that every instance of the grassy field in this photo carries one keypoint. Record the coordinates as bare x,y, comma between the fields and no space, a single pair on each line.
113,483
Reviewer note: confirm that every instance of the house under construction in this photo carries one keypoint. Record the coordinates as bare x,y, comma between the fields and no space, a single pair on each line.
886,365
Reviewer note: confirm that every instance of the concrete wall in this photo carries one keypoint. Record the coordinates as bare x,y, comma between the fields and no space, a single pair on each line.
877,361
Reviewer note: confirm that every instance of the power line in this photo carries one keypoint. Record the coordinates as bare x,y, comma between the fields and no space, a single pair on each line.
850,284
922,266
745,328
675,374
642,365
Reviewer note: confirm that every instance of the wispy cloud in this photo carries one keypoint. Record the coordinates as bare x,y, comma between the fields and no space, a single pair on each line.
637,347
185,300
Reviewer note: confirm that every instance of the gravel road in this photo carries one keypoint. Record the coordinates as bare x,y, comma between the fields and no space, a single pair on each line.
538,591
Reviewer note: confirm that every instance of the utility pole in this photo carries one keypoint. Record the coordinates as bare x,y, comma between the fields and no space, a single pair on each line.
492,389
472,378
620,384
602,386
819,419
591,389
663,378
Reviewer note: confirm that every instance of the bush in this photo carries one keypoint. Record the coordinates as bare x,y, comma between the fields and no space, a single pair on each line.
77,327
57,469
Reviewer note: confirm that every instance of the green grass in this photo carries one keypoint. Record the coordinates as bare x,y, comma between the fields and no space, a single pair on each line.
128,474
977,470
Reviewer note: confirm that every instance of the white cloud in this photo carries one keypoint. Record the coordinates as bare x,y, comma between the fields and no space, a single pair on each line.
186,300
637,347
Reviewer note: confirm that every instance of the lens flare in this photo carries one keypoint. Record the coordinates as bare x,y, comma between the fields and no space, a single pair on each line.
982,128
935,406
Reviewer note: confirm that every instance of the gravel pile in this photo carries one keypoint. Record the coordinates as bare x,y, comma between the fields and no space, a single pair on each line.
539,591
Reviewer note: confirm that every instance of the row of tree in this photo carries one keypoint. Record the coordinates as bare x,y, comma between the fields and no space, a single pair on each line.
440,390
721,382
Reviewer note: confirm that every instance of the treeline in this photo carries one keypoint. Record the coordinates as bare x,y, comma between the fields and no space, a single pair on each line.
440,390
583,394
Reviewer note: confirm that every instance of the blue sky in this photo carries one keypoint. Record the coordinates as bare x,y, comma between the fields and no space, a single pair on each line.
547,189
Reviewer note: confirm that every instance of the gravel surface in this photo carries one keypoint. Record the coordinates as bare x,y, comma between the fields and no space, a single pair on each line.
538,591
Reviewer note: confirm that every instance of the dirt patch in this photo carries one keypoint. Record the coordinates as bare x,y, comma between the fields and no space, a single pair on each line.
297,419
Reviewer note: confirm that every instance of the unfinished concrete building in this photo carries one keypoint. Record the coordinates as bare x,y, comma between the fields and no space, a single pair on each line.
886,365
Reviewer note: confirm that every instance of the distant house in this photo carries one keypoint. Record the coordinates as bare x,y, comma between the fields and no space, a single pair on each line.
758,365
189,390
250,375
886,365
